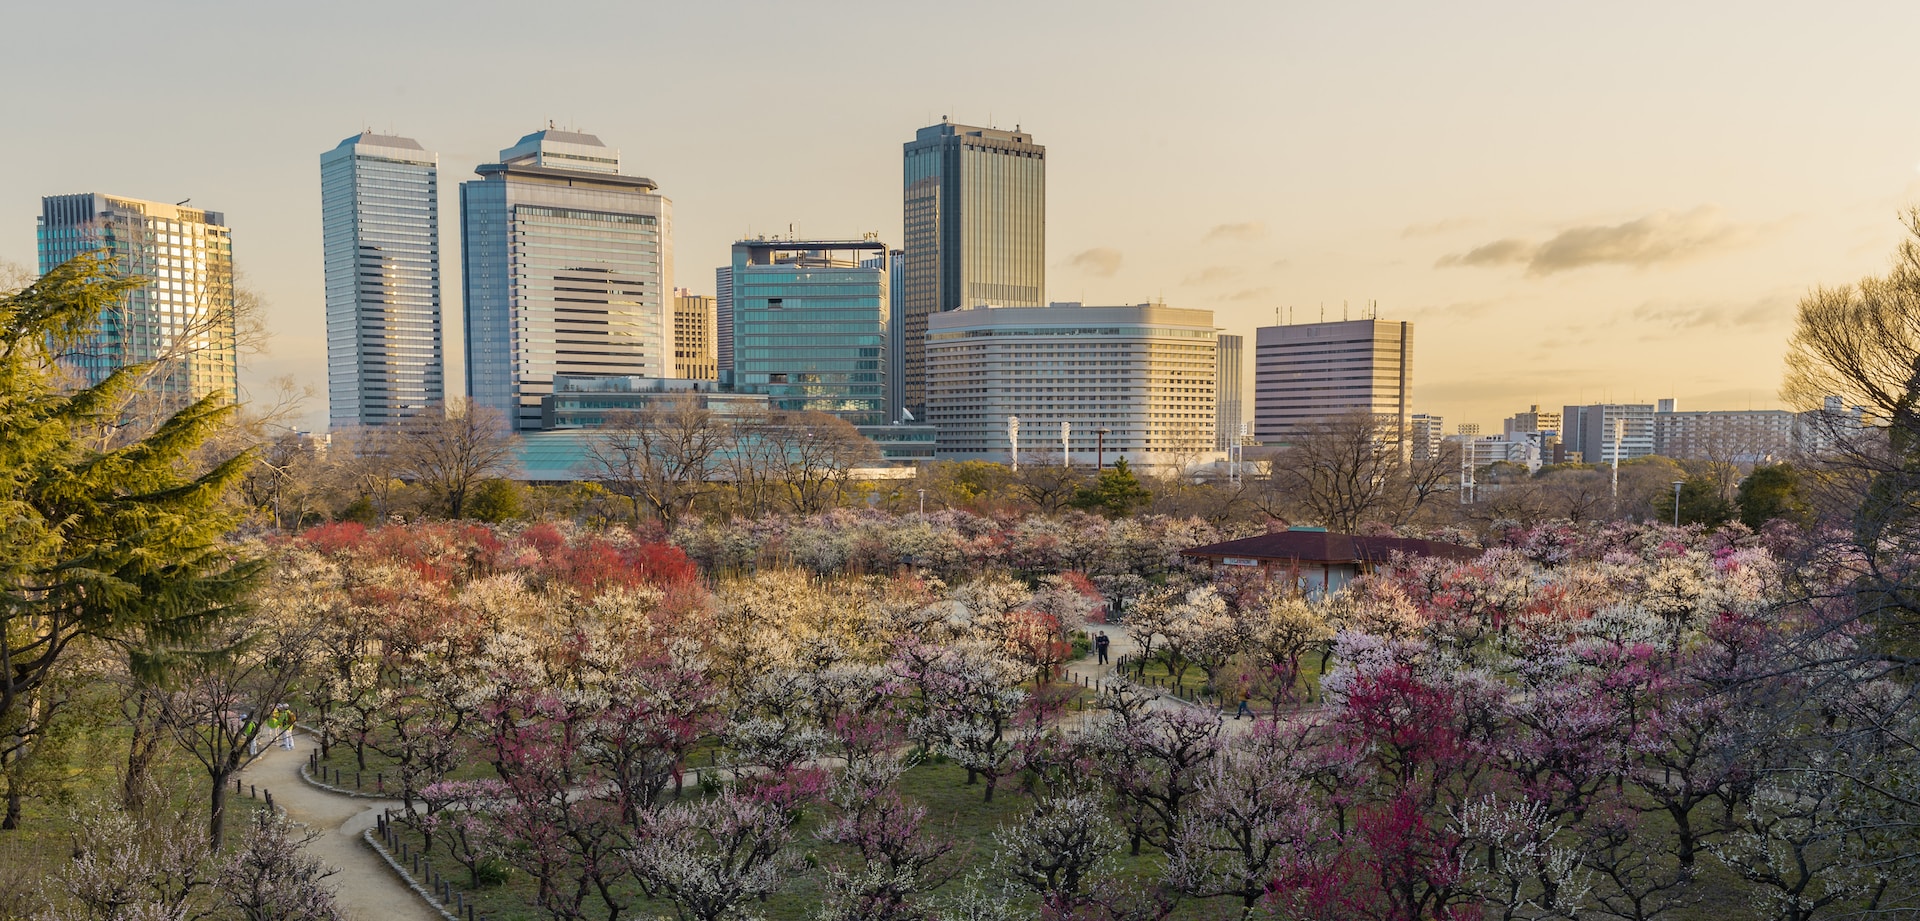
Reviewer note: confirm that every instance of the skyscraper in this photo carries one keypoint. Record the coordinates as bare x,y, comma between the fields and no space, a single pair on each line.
693,356
723,321
1226,398
380,218
182,320
1316,372
975,225
569,270
810,326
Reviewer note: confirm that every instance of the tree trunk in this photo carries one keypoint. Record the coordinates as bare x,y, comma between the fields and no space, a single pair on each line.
12,820
217,813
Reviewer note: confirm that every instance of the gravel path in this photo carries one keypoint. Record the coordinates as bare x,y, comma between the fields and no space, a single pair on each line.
364,886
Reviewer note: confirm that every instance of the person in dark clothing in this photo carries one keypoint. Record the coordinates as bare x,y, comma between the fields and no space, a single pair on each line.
1100,642
1246,696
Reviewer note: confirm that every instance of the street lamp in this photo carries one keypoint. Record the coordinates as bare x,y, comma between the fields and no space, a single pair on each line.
1100,448
1676,501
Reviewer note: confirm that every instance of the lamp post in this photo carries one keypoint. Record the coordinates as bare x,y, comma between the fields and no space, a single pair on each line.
923,503
1676,501
1100,448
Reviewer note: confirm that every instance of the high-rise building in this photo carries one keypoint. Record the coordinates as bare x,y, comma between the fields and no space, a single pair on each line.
1594,430
693,322
1311,373
1230,358
380,221
1134,382
1426,433
182,321
1750,436
975,225
810,326
723,321
569,270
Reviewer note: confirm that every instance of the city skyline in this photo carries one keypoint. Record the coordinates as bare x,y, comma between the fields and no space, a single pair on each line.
1575,207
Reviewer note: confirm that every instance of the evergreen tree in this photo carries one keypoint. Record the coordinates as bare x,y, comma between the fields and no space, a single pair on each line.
1115,494
105,533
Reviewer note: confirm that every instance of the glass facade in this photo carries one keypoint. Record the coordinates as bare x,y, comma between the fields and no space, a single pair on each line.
182,320
810,326
380,218
1226,399
974,222
568,271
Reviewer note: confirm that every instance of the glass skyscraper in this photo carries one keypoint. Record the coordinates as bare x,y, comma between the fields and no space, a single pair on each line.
182,321
380,217
810,326
975,224
569,270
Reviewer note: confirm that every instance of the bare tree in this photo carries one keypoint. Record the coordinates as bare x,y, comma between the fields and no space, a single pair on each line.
1353,469
1047,483
814,455
749,459
659,458
450,449
216,703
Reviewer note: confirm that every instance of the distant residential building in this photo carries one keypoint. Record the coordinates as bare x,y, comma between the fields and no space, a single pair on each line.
569,271
1227,417
380,220
1425,432
1143,373
974,218
1534,419
693,348
1820,430
1314,372
1739,436
1468,429
182,320
810,326
1591,430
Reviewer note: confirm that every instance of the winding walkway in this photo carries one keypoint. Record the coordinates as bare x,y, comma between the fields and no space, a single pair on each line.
364,886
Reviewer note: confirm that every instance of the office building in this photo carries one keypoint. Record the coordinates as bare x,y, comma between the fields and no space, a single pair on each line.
1595,431
1230,359
380,222
1425,433
1142,374
975,230
599,401
810,326
569,270
1311,373
693,350
1754,436
182,321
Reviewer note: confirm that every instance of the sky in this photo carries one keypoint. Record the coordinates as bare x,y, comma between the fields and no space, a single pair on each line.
1573,203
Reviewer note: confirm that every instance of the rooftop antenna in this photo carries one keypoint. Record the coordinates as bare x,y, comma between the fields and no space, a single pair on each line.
1343,311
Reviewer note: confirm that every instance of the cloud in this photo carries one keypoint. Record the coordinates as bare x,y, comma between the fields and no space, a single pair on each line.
1717,316
1213,274
1435,228
1664,236
1251,294
1461,310
1100,261
1498,252
1249,230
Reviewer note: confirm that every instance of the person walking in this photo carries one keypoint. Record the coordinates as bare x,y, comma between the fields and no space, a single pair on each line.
286,728
1100,643
1246,697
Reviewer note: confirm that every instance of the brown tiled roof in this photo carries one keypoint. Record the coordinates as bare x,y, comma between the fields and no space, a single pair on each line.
1327,547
